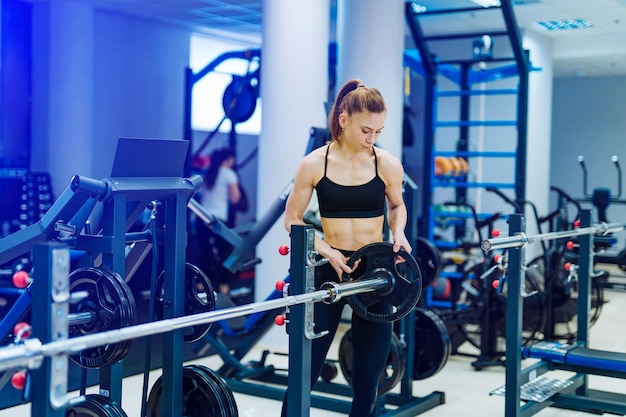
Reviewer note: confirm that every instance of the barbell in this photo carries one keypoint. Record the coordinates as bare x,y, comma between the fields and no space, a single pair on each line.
520,240
385,281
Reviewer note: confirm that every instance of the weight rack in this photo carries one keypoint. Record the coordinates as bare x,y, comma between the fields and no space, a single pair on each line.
123,201
573,393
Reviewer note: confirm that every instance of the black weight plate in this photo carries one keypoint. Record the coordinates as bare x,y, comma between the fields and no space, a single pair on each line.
204,377
429,260
390,376
128,315
109,303
93,405
329,371
199,298
225,389
431,345
200,398
404,290
239,100
130,312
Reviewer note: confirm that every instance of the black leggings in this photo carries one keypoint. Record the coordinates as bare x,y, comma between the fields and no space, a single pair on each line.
370,342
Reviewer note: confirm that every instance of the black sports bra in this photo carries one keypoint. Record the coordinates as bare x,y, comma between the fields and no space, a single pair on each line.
351,201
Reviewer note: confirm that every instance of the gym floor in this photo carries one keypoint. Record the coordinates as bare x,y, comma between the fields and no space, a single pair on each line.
466,390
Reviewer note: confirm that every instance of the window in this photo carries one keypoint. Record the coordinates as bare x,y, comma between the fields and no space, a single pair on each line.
208,92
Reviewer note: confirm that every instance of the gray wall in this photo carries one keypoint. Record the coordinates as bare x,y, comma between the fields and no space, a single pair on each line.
589,119
126,79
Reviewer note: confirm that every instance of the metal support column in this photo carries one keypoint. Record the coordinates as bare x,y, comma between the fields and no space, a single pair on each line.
513,358
174,287
299,378
52,264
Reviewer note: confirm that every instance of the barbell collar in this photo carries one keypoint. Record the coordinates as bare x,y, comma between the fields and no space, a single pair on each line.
31,352
520,239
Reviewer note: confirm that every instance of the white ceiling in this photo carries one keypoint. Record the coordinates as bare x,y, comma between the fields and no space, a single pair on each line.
599,50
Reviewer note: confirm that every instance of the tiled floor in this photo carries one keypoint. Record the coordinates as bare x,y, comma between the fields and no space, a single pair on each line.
466,390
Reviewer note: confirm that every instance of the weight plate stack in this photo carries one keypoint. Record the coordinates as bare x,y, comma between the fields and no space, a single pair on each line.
432,345
112,306
202,396
199,298
93,405
214,377
391,375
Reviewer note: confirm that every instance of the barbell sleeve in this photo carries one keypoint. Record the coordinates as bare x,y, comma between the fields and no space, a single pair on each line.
75,319
519,240
31,352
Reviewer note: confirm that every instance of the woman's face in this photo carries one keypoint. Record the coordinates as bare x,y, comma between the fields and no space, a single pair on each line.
363,129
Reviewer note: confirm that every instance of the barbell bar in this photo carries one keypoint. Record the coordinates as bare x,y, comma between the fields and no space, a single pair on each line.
520,240
30,352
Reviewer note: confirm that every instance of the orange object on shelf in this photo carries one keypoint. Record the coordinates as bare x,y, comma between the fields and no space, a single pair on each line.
443,166
456,166
464,166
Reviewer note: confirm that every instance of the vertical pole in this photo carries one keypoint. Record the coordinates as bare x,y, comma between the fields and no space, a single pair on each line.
114,227
173,305
514,322
585,265
462,144
187,128
299,379
50,261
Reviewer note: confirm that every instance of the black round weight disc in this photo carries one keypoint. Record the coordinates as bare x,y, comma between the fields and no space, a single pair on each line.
329,371
199,298
112,306
93,405
239,100
201,397
429,260
401,295
228,396
391,375
432,344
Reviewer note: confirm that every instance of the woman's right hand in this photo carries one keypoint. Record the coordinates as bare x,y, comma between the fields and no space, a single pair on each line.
339,263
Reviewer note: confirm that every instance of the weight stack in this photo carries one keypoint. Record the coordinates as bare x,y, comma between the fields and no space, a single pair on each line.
35,198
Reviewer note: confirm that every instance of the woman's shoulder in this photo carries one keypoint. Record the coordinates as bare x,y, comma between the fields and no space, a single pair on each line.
386,159
312,165
315,157
228,174
389,166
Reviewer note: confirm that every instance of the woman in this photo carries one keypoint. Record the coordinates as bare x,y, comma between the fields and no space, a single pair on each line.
221,184
221,189
353,180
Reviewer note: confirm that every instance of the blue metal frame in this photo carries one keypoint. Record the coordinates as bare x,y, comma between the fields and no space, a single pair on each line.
424,62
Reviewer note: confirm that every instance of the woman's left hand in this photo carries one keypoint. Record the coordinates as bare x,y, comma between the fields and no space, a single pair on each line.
400,241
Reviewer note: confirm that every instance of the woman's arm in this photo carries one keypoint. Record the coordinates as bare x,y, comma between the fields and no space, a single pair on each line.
234,194
393,173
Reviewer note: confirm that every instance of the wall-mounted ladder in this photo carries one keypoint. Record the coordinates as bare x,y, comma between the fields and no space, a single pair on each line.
439,55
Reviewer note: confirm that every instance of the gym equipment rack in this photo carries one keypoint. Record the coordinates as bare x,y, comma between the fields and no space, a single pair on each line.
47,354
574,392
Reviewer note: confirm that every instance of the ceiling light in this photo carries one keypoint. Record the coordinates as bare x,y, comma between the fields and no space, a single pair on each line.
417,8
567,24
487,3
